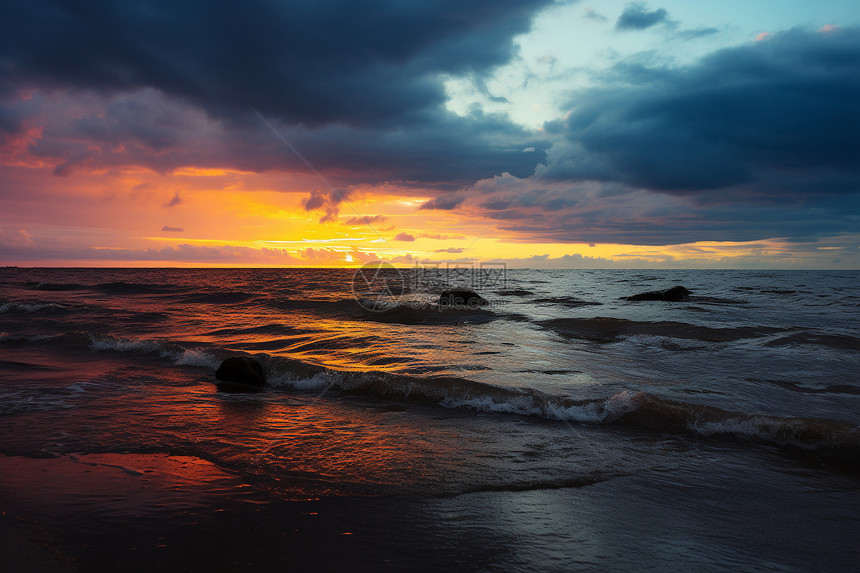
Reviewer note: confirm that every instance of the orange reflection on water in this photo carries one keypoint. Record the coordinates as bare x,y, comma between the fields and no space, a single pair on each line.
116,485
328,447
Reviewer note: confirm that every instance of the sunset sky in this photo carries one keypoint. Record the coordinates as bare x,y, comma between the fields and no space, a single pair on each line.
672,133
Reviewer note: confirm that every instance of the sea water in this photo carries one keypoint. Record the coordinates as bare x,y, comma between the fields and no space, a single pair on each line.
557,426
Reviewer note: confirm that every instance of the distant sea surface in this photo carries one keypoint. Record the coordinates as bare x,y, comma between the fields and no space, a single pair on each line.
559,427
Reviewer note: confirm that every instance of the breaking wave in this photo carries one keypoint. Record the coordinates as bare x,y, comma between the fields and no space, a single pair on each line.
29,308
829,438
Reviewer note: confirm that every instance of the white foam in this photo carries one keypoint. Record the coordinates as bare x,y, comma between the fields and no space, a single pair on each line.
750,428
178,355
197,357
142,346
531,405
618,405
317,382
26,307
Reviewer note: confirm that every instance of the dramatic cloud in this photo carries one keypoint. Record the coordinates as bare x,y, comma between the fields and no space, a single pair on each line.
357,89
445,202
85,131
238,120
637,17
751,142
304,61
771,118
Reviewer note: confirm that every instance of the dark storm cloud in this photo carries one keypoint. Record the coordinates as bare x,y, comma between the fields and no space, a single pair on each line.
752,142
742,223
636,16
774,120
446,202
355,86
304,61
147,128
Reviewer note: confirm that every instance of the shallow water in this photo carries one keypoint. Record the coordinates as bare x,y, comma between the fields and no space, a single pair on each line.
581,410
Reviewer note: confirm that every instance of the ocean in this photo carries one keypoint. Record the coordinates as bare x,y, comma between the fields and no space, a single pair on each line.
558,427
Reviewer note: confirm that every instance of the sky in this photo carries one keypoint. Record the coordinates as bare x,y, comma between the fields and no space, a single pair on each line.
537,133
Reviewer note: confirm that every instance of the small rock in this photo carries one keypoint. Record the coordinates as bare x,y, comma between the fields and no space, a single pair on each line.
462,299
673,294
241,369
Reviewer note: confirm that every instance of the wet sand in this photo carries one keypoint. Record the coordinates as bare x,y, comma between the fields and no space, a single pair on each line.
116,512
23,549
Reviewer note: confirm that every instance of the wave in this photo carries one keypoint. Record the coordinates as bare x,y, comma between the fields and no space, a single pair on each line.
717,300
116,287
23,366
566,301
53,286
29,308
828,438
838,341
832,438
417,311
605,329
221,297
39,399
830,389
273,328
122,287
177,353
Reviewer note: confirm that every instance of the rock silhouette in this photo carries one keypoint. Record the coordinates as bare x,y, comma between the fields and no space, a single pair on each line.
673,294
462,299
240,370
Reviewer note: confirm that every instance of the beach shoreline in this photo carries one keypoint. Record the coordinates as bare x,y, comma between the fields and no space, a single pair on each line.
713,524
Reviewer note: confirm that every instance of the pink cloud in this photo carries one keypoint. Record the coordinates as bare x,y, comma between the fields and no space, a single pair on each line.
17,239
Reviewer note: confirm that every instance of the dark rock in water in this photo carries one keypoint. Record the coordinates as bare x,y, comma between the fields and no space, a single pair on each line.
242,370
673,294
462,299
